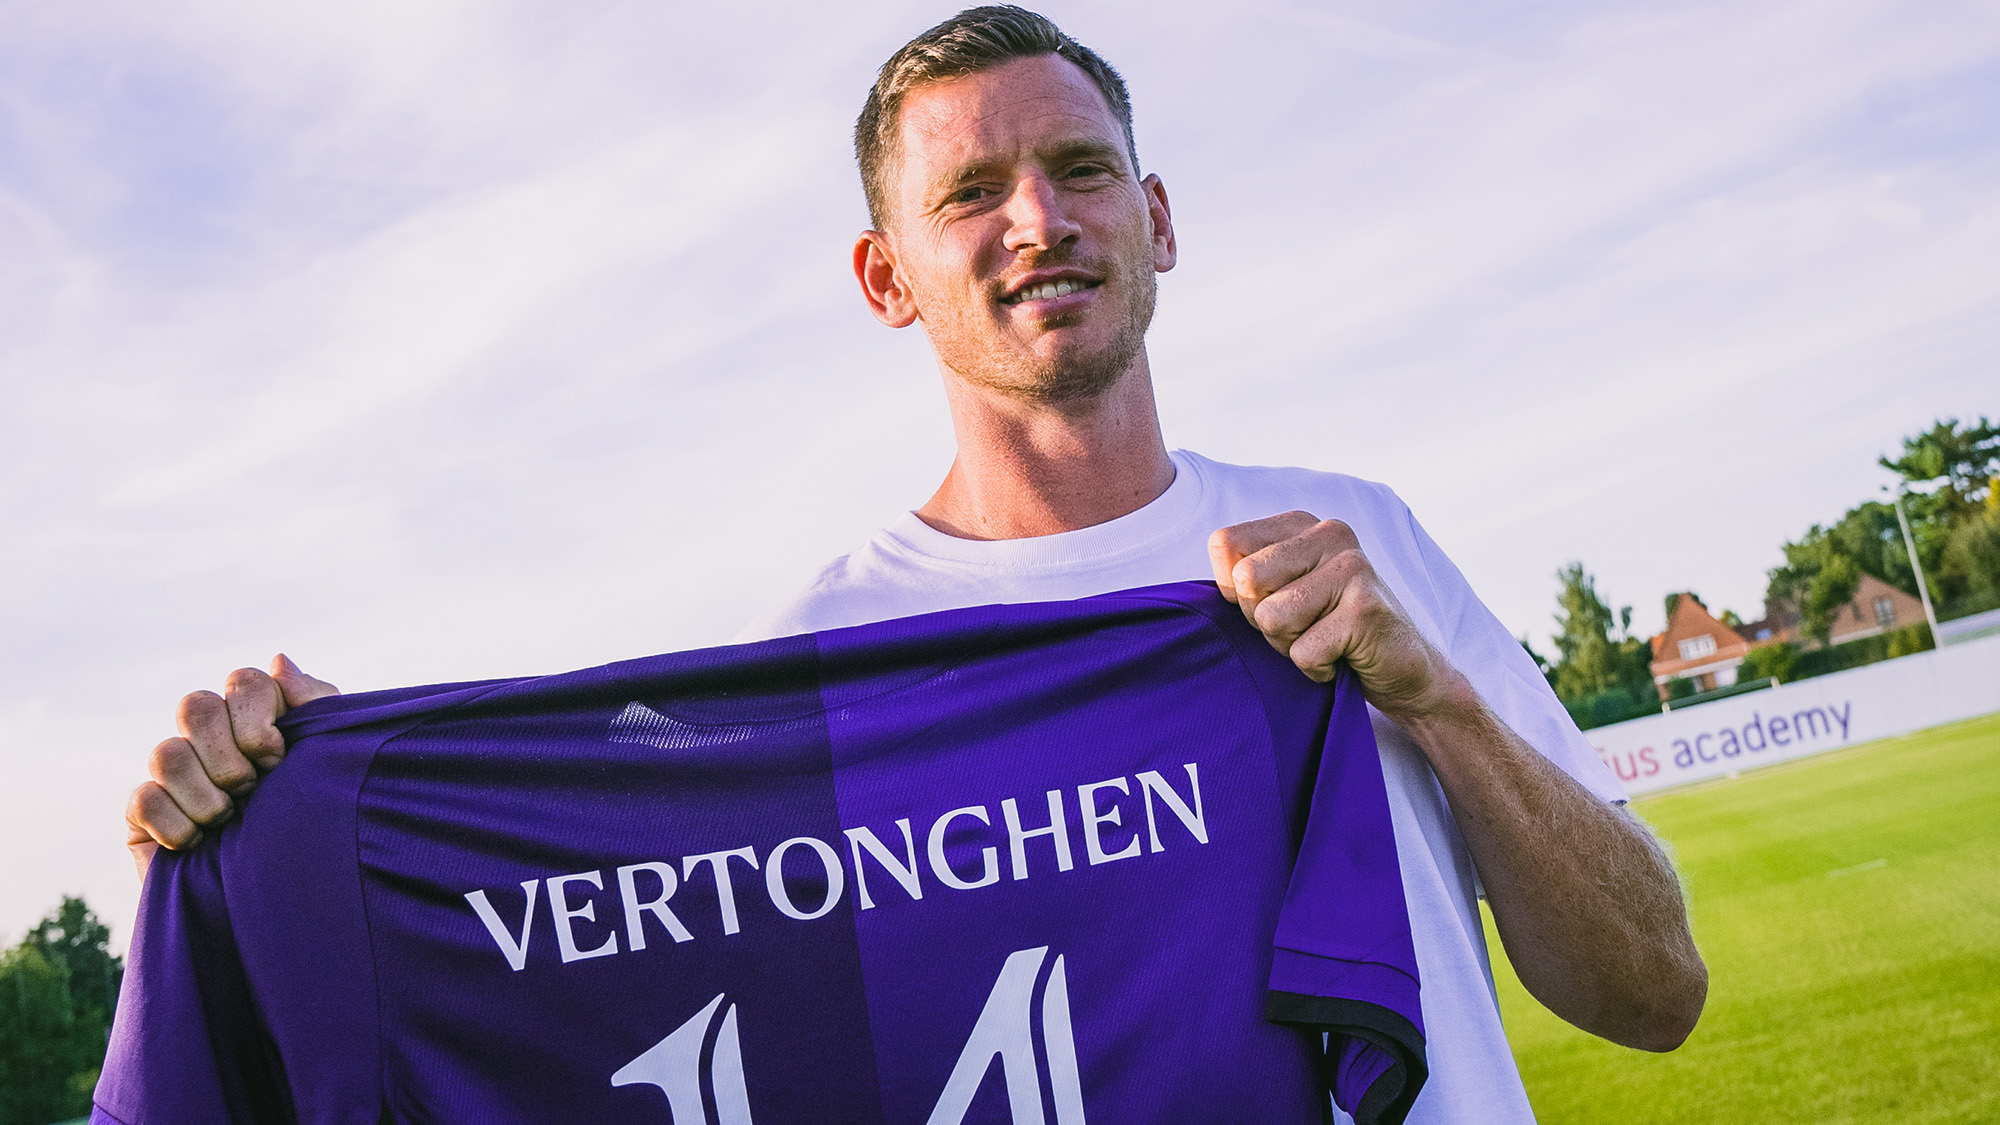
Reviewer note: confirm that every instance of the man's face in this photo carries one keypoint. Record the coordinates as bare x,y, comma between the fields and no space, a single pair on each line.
1021,235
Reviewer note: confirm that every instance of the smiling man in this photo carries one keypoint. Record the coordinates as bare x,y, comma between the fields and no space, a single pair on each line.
1012,222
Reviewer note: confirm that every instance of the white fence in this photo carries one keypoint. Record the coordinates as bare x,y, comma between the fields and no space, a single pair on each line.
1809,717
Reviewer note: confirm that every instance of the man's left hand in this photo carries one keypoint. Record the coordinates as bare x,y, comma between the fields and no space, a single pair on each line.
1586,901
1304,583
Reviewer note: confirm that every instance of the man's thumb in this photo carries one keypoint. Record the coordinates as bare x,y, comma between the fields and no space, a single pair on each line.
298,687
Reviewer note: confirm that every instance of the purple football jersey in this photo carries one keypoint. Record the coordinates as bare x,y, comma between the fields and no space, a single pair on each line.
1110,860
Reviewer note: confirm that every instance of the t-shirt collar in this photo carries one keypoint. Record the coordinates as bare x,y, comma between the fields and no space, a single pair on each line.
1165,519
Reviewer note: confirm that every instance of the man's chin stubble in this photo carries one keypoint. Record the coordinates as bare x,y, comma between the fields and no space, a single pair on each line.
1067,380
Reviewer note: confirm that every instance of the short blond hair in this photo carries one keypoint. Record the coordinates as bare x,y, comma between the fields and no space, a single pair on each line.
975,39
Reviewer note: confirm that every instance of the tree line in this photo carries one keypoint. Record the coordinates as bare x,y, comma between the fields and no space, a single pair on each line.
1954,518
58,989
1949,476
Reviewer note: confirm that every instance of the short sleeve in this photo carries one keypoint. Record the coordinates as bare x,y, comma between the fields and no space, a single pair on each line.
1343,960
1505,677
187,1044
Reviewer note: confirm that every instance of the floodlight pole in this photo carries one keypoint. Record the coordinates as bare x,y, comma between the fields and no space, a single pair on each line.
1923,588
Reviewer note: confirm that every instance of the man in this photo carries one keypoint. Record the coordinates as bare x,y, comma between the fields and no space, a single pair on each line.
1012,221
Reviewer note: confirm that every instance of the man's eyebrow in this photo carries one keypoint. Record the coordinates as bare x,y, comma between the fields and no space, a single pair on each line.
1061,152
951,179
1102,152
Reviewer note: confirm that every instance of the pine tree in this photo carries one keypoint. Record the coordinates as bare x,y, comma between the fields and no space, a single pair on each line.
1596,652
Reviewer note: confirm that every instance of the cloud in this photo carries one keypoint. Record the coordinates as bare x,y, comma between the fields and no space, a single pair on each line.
483,339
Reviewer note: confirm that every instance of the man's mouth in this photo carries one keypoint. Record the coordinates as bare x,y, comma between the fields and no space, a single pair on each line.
1048,291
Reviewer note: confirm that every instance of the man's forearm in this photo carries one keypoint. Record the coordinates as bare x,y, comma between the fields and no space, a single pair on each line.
1587,903
1588,906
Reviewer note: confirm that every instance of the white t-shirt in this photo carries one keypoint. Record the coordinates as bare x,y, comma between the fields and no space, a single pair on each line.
910,568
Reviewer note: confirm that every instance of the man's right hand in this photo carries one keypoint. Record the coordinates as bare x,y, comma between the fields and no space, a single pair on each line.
226,743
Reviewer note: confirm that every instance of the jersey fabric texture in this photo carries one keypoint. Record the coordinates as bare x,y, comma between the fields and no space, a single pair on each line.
1108,860
910,568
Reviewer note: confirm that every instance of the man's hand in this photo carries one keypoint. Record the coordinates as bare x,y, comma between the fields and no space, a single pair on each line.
1586,902
1305,585
226,743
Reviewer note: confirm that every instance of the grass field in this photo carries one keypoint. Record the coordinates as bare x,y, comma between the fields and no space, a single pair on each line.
1849,909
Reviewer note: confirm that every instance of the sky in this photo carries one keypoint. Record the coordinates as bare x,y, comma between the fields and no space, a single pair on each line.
441,341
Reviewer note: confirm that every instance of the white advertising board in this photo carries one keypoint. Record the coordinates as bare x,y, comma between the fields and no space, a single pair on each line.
1809,717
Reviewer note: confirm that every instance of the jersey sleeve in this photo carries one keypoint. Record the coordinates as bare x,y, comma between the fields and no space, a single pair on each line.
1503,674
1343,961
250,987
187,1044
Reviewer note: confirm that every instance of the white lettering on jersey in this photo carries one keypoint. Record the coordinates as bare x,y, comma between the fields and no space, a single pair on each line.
516,952
565,916
674,1065
1005,1028
966,835
1191,818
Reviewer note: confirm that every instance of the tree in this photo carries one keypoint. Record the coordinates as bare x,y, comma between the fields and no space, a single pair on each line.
1870,536
1541,662
1585,665
1596,653
36,1028
1966,459
1817,577
1779,661
75,939
1970,568
1957,524
1823,567
57,992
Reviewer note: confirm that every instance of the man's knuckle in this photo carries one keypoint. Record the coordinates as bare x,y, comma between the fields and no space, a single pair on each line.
175,834
153,811
262,742
140,805
201,706
245,680
1310,660
170,759
1264,616
1284,604
209,808
232,775
1275,618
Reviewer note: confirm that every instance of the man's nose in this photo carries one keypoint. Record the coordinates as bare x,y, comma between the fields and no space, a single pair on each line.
1036,217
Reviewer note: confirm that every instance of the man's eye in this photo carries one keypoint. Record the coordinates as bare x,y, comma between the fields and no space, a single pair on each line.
968,195
1086,170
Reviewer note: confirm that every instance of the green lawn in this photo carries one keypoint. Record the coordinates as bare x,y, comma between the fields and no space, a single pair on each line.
1849,909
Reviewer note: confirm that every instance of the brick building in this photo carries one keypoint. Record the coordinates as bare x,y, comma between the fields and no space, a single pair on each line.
1877,608
1695,646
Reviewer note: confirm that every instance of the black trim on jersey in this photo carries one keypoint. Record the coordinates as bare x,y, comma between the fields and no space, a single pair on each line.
1388,1099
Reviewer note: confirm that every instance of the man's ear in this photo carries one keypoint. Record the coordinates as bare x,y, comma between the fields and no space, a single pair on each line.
1165,250
882,284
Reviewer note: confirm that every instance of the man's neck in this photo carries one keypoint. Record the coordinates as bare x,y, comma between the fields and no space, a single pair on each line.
1028,469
